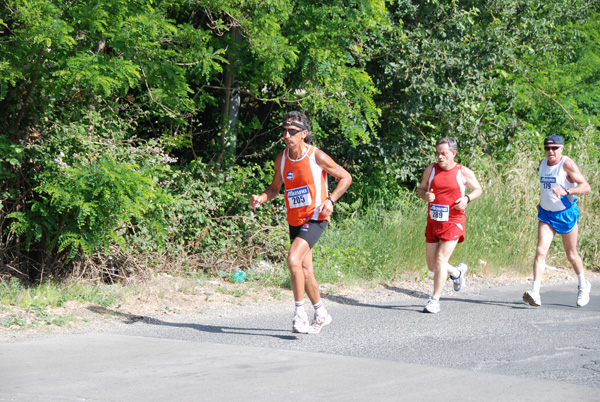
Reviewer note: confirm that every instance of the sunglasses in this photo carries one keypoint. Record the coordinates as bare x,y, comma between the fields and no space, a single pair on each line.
551,148
292,131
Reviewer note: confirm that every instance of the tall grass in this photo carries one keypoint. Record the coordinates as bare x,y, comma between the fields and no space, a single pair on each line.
376,244
383,242
52,294
501,227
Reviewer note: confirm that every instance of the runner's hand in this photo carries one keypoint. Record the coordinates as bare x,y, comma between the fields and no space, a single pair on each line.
326,208
559,191
461,203
429,196
255,201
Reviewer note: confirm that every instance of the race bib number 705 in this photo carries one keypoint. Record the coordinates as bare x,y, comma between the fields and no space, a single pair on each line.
298,197
439,213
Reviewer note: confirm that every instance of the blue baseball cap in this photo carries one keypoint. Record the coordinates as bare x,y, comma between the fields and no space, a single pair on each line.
553,140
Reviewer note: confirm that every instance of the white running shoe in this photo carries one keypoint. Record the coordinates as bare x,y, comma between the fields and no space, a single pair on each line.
320,322
300,324
583,294
433,306
532,298
459,282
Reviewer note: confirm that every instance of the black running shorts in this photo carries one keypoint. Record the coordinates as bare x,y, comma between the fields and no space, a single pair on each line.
310,231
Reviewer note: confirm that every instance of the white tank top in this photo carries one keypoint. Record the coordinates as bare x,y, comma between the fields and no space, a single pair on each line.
553,177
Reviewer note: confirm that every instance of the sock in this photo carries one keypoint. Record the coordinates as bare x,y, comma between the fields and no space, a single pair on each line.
581,278
300,307
320,309
536,286
455,274
436,298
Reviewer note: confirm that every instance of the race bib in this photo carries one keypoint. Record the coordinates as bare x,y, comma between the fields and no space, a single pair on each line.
439,213
298,197
547,182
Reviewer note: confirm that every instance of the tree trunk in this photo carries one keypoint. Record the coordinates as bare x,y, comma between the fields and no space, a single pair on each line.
231,104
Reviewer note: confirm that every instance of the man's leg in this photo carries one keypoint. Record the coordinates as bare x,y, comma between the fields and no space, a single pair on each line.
545,236
296,257
437,255
297,253
570,244
322,317
310,282
311,286
430,255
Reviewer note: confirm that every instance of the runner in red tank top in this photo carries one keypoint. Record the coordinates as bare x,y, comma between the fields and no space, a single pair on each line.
447,185
443,187
303,169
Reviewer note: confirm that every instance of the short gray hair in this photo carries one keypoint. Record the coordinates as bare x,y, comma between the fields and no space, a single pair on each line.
452,145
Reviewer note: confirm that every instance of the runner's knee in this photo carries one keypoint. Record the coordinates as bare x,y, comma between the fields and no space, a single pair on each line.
439,265
294,261
573,256
541,252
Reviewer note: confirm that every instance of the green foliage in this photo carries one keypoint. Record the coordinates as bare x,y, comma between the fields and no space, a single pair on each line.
559,94
375,244
11,159
10,291
51,294
36,302
93,188
103,51
148,124
320,60
501,229
457,69
84,207
210,214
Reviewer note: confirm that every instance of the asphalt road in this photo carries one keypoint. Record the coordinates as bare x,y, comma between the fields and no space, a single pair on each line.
485,345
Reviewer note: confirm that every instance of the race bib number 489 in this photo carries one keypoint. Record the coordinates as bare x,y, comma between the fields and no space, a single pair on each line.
439,213
298,197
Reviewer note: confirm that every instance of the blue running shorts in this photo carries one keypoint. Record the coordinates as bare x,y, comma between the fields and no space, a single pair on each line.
562,221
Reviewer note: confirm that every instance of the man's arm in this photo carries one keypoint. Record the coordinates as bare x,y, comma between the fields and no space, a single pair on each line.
335,170
423,189
471,182
271,191
574,175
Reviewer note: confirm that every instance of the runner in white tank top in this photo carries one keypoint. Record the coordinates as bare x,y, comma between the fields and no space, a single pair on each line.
552,177
560,181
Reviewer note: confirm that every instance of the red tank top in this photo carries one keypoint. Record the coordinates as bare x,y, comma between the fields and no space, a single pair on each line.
305,187
448,186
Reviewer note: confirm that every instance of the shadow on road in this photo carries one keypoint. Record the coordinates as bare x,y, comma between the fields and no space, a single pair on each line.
510,304
408,292
423,297
132,318
353,302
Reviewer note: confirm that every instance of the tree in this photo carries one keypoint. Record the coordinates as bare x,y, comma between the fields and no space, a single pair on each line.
189,94
459,68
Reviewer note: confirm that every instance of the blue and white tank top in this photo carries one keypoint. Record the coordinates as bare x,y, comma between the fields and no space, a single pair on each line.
553,177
